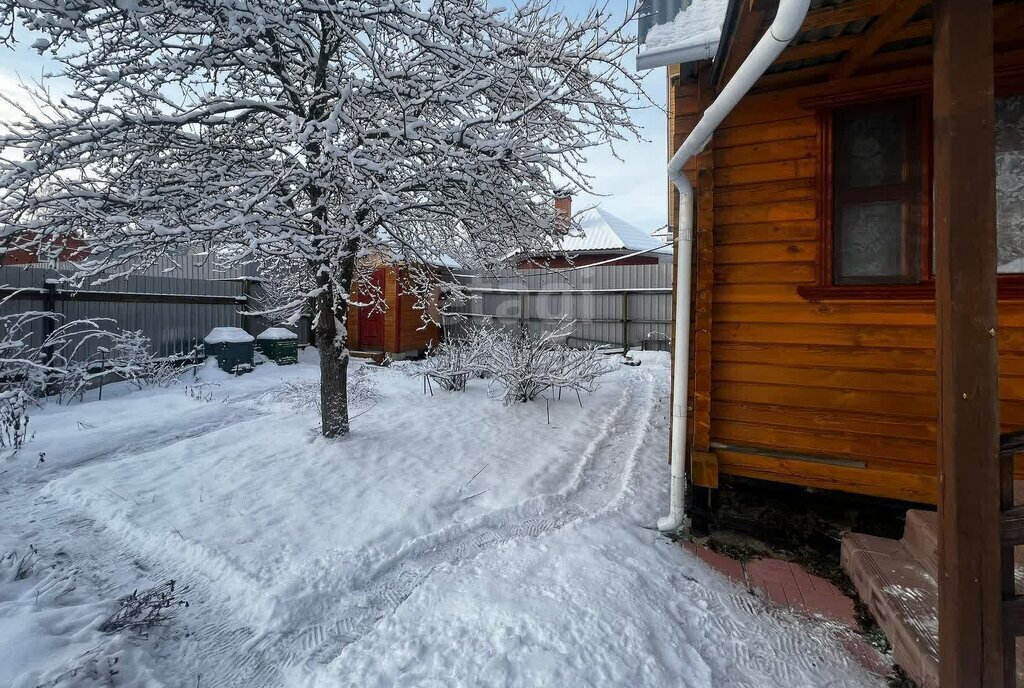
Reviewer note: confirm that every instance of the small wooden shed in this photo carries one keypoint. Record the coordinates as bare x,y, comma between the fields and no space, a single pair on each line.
398,327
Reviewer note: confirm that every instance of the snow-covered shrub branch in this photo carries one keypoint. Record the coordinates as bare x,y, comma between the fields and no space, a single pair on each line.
525,364
43,354
521,365
319,134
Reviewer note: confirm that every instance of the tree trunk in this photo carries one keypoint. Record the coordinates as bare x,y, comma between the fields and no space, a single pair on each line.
331,310
332,342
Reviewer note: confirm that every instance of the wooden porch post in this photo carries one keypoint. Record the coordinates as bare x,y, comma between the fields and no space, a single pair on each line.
971,646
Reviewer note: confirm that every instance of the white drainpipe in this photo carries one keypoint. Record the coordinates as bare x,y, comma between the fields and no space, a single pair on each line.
787,23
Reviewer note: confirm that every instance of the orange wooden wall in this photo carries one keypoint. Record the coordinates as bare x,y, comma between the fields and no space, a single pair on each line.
851,382
403,323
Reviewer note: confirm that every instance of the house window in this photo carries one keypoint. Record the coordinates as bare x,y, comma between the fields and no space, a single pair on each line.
876,194
1009,139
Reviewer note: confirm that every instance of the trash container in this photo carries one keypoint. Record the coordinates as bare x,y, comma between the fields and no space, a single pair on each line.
233,348
279,345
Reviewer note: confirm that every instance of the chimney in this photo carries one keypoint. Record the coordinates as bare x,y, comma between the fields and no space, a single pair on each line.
563,211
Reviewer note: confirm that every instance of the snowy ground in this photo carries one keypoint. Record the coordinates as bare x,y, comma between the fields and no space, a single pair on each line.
449,541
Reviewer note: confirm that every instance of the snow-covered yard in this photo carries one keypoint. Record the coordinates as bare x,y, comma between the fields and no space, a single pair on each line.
448,541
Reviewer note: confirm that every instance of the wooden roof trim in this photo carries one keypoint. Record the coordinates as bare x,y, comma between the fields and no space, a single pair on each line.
854,10
888,23
743,26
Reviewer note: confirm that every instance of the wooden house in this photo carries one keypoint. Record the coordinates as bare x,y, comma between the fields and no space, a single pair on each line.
396,327
814,326
849,329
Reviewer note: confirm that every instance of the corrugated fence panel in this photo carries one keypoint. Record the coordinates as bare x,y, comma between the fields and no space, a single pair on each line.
172,326
592,297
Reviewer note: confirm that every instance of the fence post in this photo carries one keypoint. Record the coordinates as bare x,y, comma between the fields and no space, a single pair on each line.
625,323
522,312
49,324
246,318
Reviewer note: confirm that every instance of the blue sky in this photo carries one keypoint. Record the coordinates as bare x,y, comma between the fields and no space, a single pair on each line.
634,188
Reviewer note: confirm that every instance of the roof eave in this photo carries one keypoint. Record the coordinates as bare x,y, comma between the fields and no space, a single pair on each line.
702,47
726,42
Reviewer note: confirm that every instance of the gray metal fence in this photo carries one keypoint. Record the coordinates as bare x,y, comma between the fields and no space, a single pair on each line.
175,303
610,304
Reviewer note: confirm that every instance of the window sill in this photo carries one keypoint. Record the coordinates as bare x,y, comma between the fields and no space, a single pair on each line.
1010,288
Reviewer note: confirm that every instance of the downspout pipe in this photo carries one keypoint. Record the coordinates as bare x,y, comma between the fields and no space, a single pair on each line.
788,19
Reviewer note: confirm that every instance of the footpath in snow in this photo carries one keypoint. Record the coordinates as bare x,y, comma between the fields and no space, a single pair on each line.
449,541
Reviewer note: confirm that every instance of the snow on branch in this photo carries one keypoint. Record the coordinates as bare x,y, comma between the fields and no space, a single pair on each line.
429,133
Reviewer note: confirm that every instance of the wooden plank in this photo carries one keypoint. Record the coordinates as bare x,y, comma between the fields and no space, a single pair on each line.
883,450
762,232
892,19
766,172
890,381
768,192
843,13
766,273
774,415
757,293
704,467
703,295
971,638
899,484
858,357
877,313
781,211
822,48
920,406
769,252
767,151
772,130
749,27
898,337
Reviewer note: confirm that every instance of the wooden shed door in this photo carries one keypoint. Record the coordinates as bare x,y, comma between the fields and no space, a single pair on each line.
371,321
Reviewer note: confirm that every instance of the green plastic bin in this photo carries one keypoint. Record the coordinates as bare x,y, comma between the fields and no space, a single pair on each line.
233,347
279,345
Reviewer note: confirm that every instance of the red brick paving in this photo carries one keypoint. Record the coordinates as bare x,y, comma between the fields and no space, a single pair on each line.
731,568
789,585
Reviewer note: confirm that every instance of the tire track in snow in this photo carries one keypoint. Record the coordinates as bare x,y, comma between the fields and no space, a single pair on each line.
598,485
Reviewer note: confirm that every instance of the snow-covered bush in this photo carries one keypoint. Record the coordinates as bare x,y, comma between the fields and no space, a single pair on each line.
42,354
521,364
524,364
451,364
303,395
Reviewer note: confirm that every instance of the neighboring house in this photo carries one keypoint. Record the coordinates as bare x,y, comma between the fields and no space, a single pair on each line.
599,237
814,329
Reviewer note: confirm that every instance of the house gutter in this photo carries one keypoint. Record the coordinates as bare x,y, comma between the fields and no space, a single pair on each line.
788,19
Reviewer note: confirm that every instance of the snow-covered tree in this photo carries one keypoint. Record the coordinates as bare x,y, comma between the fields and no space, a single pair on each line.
310,132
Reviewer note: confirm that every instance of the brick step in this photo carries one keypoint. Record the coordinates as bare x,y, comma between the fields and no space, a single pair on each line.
921,538
902,596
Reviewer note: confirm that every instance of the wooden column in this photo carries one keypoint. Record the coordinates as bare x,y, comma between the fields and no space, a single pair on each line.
971,645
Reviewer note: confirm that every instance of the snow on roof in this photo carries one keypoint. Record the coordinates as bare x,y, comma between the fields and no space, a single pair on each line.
228,335
277,333
692,35
599,230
